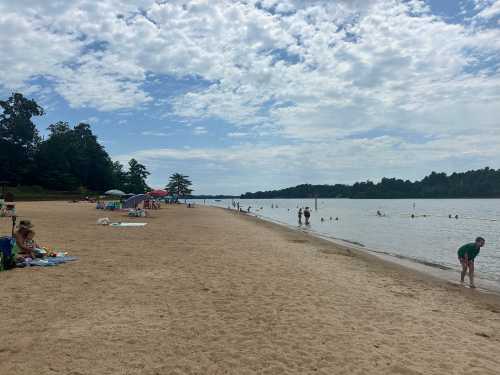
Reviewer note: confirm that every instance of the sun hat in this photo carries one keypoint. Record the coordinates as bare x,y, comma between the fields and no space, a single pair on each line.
25,224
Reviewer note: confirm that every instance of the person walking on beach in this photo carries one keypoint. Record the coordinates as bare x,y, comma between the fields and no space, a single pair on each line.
300,215
466,255
307,215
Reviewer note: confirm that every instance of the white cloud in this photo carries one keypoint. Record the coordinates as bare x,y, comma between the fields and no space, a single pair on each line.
342,55
490,11
318,162
92,120
199,130
155,133
237,135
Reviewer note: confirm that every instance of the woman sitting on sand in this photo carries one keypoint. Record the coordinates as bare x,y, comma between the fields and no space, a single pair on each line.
22,248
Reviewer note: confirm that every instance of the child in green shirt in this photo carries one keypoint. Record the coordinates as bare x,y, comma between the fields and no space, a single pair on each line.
466,255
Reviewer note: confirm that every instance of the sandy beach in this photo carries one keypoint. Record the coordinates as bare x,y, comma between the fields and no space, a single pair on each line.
208,291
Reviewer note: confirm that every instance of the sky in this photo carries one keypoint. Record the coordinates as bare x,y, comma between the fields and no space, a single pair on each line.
247,95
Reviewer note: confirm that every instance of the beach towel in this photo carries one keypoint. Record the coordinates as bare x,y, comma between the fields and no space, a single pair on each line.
50,261
128,224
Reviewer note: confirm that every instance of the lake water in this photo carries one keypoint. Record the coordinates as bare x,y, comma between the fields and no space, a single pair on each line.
430,237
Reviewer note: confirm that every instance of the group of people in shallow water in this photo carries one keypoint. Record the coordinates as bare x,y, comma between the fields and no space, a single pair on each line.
306,213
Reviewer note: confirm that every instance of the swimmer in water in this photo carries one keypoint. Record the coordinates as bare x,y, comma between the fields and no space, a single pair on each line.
307,215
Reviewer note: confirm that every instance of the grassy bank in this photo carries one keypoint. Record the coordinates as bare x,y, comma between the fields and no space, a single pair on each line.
37,193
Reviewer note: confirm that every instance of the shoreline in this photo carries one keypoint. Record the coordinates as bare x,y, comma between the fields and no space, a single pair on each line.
428,245
439,272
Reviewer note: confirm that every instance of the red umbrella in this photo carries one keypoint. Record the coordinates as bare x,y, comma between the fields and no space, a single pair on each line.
158,193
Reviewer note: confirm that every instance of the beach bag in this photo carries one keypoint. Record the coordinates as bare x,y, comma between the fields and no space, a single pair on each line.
7,260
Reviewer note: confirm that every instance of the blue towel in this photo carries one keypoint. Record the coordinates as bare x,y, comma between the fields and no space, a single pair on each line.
59,260
50,261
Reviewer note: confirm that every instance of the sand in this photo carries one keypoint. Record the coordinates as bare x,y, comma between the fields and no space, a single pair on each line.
208,291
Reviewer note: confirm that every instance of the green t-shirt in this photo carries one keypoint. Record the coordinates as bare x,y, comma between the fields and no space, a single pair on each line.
470,249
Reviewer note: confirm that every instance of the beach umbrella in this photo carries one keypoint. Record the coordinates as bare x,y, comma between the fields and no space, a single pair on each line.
134,201
158,193
115,192
128,195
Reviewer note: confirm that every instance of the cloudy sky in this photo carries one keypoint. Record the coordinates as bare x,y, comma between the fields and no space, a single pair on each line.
258,94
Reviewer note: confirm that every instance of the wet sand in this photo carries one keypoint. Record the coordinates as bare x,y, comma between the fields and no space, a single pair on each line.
208,291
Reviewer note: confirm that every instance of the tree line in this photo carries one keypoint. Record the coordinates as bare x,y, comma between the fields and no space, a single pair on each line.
69,159
481,183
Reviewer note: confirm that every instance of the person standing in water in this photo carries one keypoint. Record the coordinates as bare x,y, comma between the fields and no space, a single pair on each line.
307,215
300,215
466,255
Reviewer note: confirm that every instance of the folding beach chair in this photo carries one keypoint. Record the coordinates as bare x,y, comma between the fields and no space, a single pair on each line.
7,260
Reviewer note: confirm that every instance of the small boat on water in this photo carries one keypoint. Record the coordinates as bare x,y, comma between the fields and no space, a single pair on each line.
218,200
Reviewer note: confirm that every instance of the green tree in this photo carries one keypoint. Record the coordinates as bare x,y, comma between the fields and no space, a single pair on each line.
90,163
54,159
73,158
481,183
120,176
137,174
179,185
18,138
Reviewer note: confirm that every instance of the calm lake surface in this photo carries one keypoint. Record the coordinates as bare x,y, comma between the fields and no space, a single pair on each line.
429,237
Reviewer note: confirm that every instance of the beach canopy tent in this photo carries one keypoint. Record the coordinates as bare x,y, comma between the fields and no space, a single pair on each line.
132,202
115,192
158,193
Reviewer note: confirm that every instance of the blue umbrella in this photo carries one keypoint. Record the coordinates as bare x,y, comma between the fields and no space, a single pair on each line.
134,201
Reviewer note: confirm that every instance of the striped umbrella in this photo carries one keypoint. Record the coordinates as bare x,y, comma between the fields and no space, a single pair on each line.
158,193
134,201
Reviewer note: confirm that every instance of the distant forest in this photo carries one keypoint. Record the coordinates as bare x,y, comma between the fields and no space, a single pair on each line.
68,159
481,183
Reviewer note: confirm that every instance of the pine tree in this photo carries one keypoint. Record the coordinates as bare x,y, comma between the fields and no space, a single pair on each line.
179,185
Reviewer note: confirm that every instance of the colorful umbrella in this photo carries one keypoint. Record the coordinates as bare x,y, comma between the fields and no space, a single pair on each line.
134,201
158,193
